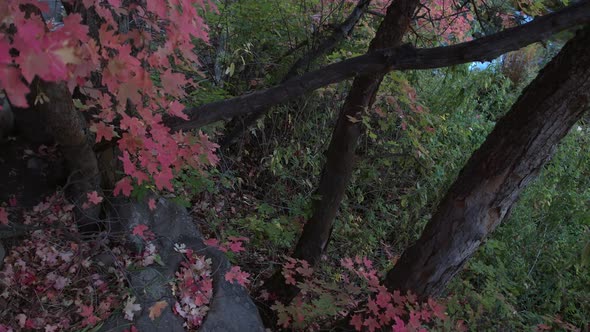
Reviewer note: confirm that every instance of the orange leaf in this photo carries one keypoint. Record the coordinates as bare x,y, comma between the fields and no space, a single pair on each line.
156,309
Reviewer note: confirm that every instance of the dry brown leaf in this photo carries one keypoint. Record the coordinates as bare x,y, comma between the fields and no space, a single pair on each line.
156,309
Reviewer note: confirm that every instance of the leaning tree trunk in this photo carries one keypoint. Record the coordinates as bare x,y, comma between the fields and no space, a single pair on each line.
487,187
341,151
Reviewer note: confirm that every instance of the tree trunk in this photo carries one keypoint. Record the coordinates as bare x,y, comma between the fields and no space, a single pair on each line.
67,128
487,187
384,60
341,151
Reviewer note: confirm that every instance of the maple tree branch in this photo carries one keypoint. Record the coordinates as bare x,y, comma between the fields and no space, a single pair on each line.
385,60
341,32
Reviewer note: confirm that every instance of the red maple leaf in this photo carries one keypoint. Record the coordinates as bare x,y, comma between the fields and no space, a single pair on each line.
123,186
152,204
236,247
399,326
373,307
437,309
94,198
356,321
163,179
372,324
175,109
383,297
237,275
398,298
305,270
103,131
88,313
142,231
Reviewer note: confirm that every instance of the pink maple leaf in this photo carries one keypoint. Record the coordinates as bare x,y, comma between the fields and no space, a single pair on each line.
236,247
398,298
142,231
382,299
123,186
368,263
437,309
152,204
176,109
88,313
356,321
414,321
212,242
305,270
94,198
115,3
157,7
103,131
426,315
372,324
173,83
237,275
163,179
399,326
347,263
74,28
373,307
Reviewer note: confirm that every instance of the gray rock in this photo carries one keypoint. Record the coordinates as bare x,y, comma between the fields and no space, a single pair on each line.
231,308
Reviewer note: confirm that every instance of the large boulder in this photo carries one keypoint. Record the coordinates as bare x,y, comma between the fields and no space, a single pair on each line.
231,308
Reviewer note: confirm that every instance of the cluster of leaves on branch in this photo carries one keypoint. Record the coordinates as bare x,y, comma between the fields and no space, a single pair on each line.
358,296
141,77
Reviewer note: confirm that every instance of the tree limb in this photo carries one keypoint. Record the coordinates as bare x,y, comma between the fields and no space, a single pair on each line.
341,32
385,60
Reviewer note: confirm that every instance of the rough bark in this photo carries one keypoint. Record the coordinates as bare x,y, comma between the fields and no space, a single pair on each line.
341,151
487,187
66,127
382,60
327,45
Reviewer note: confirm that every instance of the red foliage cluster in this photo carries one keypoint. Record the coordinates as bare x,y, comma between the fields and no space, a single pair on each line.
358,296
141,75
193,288
50,282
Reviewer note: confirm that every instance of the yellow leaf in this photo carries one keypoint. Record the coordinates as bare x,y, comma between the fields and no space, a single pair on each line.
352,119
67,55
